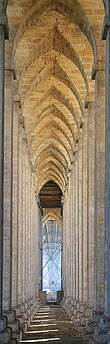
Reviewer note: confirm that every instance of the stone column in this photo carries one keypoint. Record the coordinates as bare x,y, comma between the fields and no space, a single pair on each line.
67,246
106,35
28,206
31,226
99,186
29,243
7,194
102,332
77,227
66,242
2,40
15,190
26,218
32,239
90,201
64,253
5,335
23,219
85,211
69,235
80,222
3,35
20,196
66,249
74,231
71,240
64,245
70,226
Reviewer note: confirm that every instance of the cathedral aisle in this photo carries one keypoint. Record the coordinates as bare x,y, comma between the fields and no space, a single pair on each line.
51,324
55,171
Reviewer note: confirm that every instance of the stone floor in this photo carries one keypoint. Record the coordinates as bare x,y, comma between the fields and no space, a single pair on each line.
51,325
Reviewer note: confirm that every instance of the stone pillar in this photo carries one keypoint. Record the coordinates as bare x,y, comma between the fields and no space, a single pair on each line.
64,245
102,331
69,235
27,220
99,186
64,253
29,243
7,193
91,206
67,246
25,201
5,335
77,227
31,225
80,187
23,244
3,35
71,239
85,211
20,196
2,40
32,237
15,190
106,35
74,231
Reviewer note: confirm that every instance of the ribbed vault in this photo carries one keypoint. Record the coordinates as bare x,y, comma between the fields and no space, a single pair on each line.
54,49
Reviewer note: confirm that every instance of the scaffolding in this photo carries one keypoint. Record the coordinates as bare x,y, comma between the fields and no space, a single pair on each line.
51,256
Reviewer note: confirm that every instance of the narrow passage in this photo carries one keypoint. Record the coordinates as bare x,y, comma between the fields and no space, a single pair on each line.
51,324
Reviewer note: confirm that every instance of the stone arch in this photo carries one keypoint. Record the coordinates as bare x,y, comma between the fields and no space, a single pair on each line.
52,216
62,46
52,168
52,150
58,116
73,10
53,159
59,73
57,144
63,107
55,122
46,178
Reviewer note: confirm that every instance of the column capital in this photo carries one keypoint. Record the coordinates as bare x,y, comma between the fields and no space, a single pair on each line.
3,20
106,26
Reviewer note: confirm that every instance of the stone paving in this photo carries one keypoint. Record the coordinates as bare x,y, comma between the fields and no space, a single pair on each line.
51,325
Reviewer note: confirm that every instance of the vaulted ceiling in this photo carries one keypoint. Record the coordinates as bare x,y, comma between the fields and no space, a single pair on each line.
50,195
55,45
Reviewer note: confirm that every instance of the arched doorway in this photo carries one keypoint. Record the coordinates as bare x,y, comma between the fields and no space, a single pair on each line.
50,198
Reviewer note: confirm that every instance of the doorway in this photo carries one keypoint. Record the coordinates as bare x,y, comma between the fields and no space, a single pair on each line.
52,260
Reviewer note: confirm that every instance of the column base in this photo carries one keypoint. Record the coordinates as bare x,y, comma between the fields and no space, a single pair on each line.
16,321
5,332
13,324
24,313
82,316
102,332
